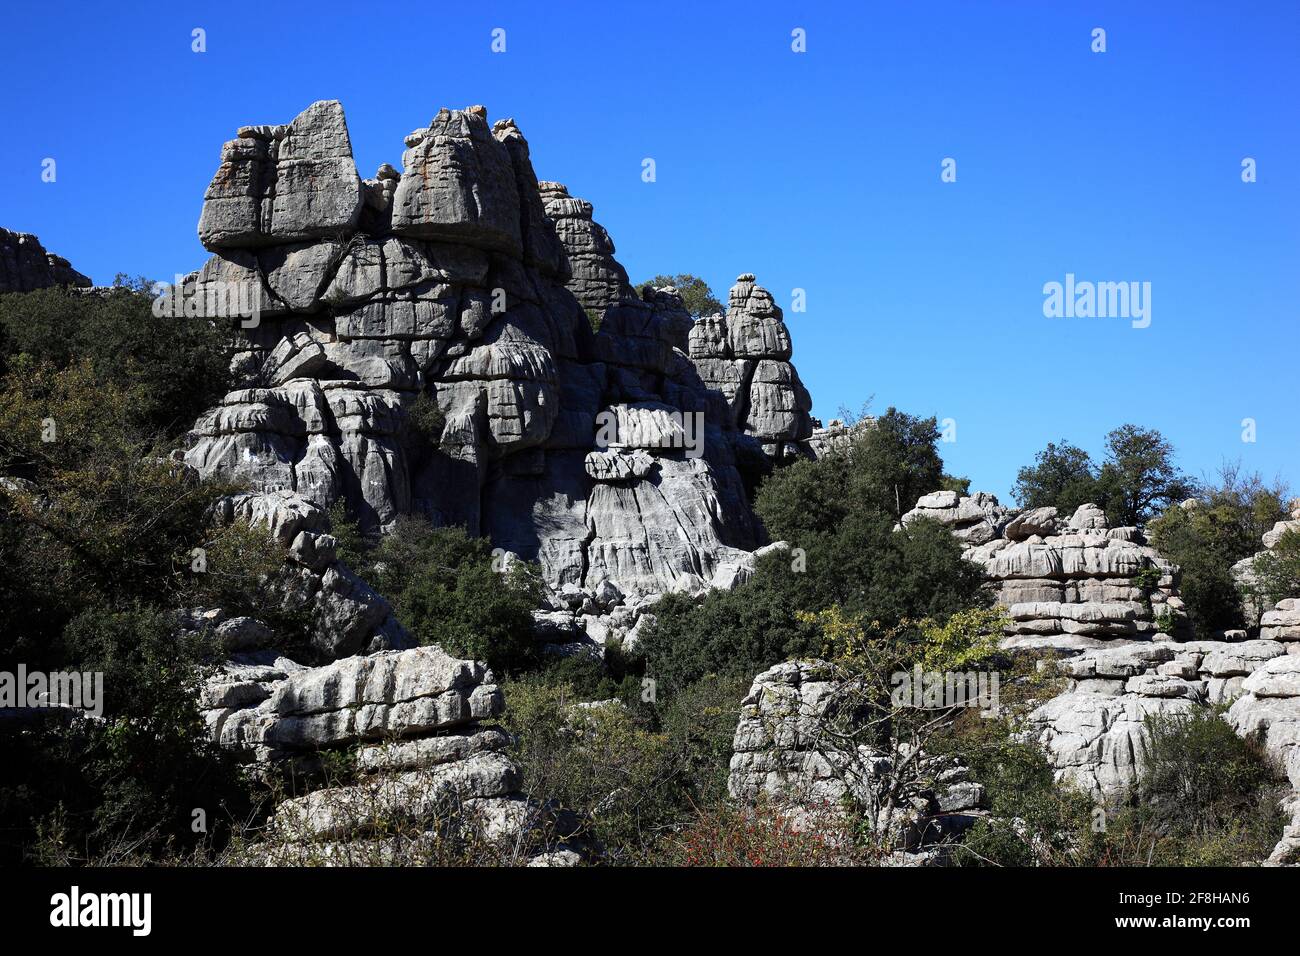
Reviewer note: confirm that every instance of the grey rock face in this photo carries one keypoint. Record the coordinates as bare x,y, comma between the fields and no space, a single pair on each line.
1066,585
25,265
385,696
1094,734
463,284
791,753
745,356
284,184
424,758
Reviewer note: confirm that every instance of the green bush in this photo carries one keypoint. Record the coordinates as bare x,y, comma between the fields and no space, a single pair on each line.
131,781
444,589
1207,540
1200,776
177,367
1277,571
1032,820
427,418
867,568
601,763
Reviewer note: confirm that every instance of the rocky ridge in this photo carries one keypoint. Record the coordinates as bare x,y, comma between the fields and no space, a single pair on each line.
25,265
1067,584
425,345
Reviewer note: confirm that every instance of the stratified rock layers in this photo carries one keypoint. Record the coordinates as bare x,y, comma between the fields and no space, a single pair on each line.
578,423
25,265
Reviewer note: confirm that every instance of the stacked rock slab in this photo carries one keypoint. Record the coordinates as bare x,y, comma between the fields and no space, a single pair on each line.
1067,584
419,722
25,265
785,756
1095,737
745,355
423,345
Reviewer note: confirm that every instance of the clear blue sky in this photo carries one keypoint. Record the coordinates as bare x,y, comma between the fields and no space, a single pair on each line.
817,170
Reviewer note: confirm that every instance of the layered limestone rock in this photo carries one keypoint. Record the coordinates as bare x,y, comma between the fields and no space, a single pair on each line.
424,344
598,280
745,355
1095,736
791,753
425,755
1067,583
25,265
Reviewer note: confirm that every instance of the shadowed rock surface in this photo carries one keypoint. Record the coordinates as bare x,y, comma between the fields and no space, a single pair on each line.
595,430
25,265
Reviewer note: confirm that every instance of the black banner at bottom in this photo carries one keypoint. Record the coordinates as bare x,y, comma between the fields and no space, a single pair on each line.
301,905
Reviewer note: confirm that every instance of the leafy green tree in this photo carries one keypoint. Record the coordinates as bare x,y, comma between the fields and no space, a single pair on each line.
1137,480
176,367
696,294
1205,541
864,567
1062,475
883,470
1139,476
445,590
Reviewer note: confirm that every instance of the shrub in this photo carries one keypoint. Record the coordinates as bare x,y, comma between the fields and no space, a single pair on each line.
176,368
1276,572
867,569
602,763
1199,775
725,835
427,418
444,589
132,780
1207,540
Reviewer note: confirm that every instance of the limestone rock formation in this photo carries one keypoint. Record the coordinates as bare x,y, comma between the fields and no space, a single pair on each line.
745,355
1066,583
580,424
1094,734
426,754
789,752
347,615
26,266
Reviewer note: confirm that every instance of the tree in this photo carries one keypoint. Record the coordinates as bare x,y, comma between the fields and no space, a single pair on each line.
1139,476
882,470
1062,475
1224,526
177,367
896,462
696,294
1137,480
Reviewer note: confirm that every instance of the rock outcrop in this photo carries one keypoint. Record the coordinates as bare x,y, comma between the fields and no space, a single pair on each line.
456,340
427,755
791,752
1067,583
346,614
25,265
1094,733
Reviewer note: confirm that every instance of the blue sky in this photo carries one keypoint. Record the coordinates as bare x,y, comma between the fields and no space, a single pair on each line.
818,171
